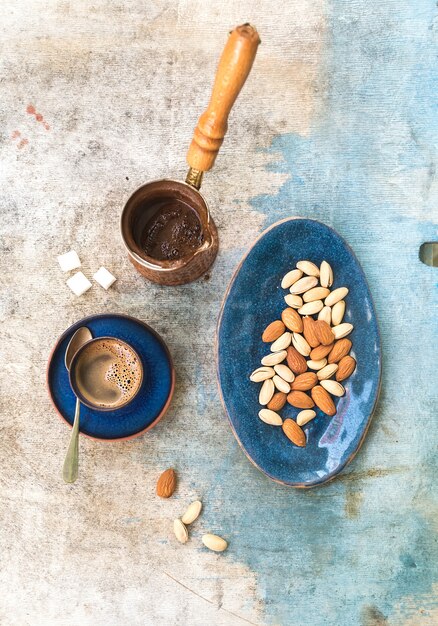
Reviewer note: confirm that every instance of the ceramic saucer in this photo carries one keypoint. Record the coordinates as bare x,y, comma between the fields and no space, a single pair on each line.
148,406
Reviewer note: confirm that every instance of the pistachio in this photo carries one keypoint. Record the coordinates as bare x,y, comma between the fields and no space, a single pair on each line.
274,358
338,311
290,278
325,275
270,417
294,301
286,373
281,384
333,387
327,371
310,308
342,330
266,391
317,293
300,344
308,268
214,542
282,342
192,512
305,416
336,296
325,315
316,365
304,284
180,531
261,374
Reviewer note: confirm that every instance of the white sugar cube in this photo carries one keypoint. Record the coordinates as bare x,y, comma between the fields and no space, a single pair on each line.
69,261
104,277
79,283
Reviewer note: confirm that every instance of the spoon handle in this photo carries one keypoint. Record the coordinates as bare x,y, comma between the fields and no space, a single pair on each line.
70,469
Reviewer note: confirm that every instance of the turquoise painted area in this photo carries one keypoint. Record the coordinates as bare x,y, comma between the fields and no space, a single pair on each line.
362,550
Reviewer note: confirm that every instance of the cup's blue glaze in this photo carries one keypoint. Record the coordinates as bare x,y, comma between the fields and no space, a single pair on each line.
254,299
150,403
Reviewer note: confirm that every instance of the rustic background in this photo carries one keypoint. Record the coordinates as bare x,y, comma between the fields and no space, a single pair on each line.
338,121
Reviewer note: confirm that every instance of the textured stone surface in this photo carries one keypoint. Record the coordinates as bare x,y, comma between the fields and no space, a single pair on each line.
337,121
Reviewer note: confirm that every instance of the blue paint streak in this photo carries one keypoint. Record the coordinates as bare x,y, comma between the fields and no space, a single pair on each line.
368,168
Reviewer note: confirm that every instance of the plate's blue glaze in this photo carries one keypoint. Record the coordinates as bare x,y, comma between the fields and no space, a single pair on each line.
148,406
255,299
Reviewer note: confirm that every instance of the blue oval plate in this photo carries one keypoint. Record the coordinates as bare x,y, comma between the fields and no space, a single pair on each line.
254,299
150,403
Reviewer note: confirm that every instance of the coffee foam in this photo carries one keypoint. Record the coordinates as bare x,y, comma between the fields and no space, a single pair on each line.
114,370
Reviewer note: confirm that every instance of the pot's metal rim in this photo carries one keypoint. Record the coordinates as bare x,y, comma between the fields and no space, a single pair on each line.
152,263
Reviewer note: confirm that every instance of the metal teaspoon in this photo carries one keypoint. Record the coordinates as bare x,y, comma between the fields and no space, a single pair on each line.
70,469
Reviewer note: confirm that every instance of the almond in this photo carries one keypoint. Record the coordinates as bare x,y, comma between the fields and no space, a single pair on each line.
335,296
333,387
294,432
274,358
304,284
283,371
346,367
320,352
338,311
305,416
300,344
309,331
282,342
270,417
277,402
327,371
166,483
325,275
342,330
273,331
305,381
293,301
317,293
300,400
296,361
281,384
325,314
323,400
340,349
308,268
292,320
290,278
310,308
324,333
266,391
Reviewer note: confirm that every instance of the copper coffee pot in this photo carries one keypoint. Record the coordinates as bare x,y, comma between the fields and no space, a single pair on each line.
234,66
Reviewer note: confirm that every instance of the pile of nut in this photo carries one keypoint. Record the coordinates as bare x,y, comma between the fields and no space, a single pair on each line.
308,347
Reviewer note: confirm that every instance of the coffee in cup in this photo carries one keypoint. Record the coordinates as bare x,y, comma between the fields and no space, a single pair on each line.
106,373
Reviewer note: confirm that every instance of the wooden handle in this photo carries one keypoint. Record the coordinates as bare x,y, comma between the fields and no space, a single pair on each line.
234,66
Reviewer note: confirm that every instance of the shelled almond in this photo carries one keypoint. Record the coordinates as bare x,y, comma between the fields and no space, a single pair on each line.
277,402
308,348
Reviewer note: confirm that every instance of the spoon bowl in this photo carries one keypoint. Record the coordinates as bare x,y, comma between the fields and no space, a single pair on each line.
71,463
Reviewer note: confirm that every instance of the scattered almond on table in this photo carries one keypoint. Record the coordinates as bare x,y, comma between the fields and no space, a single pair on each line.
309,346
166,483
